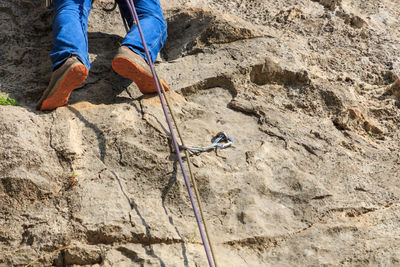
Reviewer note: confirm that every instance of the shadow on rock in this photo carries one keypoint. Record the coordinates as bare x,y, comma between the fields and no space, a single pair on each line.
194,30
149,250
103,85
165,191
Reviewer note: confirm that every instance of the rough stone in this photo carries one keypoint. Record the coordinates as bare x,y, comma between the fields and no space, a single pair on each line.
308,90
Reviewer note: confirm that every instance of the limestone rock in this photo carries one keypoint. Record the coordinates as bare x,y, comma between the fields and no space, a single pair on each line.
308,90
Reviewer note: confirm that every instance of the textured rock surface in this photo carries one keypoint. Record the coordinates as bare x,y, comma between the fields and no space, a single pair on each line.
308,91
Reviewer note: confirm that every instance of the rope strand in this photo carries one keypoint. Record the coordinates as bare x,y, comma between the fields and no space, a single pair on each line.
131,6
192,178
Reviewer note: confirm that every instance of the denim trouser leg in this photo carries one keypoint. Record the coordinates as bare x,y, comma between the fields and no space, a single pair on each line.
153,24
70,31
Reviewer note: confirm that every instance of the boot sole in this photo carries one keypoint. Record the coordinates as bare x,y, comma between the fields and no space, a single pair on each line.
130,70
60,93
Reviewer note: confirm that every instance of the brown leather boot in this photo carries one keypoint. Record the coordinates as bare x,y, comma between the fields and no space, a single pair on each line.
63,81
132,66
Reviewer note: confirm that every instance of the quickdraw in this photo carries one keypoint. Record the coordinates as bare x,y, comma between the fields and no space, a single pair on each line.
221,140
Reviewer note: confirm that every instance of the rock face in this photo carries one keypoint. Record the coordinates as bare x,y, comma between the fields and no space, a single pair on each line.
307,90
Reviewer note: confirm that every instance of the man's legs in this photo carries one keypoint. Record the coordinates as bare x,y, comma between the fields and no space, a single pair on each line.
69,56
154,27
70,31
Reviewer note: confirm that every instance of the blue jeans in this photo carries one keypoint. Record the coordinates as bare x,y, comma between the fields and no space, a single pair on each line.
70,29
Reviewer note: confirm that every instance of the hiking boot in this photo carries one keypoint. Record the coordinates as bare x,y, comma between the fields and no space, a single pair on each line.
132,66
63,81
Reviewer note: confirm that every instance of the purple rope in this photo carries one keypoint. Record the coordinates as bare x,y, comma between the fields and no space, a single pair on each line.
196,214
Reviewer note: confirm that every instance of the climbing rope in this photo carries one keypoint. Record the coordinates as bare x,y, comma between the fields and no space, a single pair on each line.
161,92
192,178
49,3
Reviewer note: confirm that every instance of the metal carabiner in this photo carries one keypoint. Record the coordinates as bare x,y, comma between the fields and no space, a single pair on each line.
222,137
